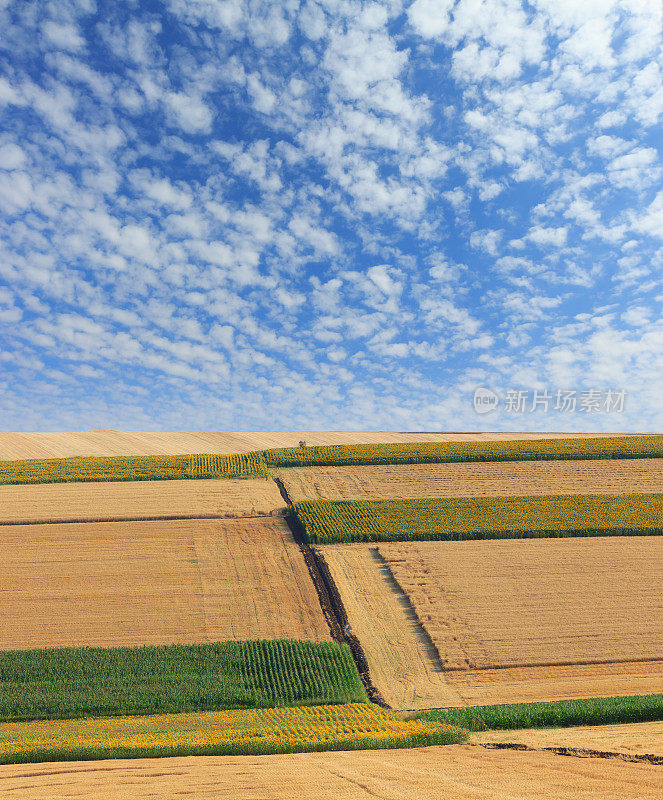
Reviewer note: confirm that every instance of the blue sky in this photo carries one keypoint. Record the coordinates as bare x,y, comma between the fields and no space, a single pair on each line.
241,214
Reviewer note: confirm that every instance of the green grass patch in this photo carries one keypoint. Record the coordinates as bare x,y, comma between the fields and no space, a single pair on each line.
452,518
94,681
560,714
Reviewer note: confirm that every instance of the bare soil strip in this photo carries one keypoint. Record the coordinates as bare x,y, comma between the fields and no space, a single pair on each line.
640,738
14,446
464,772
535,602
401,664
474,479
131,583
65,502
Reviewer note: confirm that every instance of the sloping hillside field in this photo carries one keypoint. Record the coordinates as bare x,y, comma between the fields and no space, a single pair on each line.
131,583
453,518
473,479
247,593
508,621
137,500
202,465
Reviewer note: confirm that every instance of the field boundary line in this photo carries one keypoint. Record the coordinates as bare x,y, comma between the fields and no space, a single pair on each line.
526,665
330,600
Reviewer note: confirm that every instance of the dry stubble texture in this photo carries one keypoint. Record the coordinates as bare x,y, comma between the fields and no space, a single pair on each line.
474,479
513,603
15,446
639,738
461,772
131,583
138,500
403,664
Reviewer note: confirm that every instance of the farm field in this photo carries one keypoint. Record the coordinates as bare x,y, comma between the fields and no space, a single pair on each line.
462,772
538,602
456,518
404,665
245,732
62,502
128,443
512,603
641,738
64,682
472,479
158,582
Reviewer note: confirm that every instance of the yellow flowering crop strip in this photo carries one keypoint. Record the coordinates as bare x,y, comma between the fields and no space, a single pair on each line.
257,463
132,468
255,731
649,446
452,518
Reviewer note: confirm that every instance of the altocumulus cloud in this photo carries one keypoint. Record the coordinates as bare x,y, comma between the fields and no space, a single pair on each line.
328,214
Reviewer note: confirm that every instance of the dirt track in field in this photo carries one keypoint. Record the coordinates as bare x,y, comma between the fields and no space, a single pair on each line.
535,602
131,583
126,443
402,661
639,738
474,479
63,502
461,772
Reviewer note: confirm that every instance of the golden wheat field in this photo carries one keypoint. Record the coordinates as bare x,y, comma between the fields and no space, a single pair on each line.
635,738
461,772
128,443
130,583
473,479
63,502
513,604
508,603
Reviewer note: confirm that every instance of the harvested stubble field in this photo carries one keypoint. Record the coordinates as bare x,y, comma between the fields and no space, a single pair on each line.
535,602
461,772
63,502
510,604
473,479
135,443
636,738
358,726
131,583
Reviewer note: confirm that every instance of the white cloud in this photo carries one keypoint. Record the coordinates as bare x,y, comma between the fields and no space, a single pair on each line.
189,112
63,35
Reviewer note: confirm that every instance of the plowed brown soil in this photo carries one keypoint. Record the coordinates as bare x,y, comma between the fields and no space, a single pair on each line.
461,772
639,738
131,583
126,443
475,479
63,502
516,603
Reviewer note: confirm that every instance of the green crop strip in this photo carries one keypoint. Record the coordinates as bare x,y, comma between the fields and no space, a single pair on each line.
95,681
560,714
326,522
